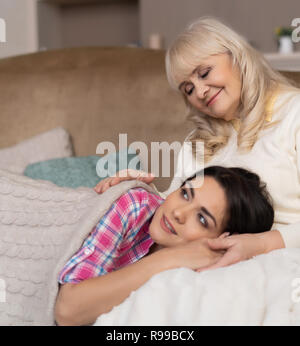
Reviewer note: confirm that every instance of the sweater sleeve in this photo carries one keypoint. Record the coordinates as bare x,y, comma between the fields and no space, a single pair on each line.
291,232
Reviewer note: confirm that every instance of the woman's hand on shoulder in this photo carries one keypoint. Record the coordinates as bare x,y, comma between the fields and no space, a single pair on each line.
126,174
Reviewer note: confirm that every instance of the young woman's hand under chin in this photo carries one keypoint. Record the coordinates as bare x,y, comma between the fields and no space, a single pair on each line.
194,254
241,247
123,175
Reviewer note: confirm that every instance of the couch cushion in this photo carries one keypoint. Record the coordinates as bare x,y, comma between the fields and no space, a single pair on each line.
52,144
84,171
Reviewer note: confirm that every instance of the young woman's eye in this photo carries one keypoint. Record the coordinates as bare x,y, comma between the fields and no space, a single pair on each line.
202,220
184,193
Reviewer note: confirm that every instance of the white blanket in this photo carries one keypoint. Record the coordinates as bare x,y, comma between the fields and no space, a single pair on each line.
262,291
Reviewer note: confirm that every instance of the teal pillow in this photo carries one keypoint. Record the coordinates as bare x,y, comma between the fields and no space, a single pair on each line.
84,171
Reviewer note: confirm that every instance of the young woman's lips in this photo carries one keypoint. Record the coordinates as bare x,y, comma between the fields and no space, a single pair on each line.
212,100
166,225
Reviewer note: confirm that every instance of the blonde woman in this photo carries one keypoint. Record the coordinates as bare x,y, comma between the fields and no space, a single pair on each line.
247,115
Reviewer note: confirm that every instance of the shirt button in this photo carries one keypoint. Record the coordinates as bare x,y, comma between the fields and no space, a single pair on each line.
88,251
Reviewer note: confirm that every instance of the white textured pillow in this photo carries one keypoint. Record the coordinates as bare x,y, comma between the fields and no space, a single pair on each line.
52,144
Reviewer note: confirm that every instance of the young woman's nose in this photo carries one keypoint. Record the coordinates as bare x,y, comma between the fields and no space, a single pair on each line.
180,214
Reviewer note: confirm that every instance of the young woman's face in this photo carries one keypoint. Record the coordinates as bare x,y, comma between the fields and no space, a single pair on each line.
190,213
214,87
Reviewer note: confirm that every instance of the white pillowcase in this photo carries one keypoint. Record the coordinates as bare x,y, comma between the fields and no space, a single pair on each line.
52,144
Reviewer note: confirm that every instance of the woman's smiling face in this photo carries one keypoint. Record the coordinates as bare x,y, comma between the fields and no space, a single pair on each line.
214,87
190,213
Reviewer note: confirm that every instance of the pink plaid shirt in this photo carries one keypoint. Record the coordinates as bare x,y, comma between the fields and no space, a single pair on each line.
120,238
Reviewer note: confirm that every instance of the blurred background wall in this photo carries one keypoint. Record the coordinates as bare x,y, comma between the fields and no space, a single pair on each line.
254,19
33,25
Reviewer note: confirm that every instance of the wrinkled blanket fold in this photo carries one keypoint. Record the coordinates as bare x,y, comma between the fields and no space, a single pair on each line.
263,291
41,227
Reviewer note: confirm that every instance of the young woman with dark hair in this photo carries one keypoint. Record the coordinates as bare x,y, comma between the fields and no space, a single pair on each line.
142,235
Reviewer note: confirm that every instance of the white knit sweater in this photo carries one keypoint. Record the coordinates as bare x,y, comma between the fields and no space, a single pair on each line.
275,157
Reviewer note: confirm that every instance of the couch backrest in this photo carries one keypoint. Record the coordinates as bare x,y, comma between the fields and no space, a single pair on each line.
94,93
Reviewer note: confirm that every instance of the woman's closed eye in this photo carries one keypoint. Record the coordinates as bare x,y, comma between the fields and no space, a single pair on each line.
203,72
188,89
204,75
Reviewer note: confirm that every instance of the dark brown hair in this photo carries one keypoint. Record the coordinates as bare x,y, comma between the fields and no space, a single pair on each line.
249,205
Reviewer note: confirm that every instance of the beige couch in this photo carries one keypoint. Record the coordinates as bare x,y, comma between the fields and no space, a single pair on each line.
95,94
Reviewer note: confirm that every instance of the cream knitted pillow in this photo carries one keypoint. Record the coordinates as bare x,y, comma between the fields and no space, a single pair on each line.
48,145
41,227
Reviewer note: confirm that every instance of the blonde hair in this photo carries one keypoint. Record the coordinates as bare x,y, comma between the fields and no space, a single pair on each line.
208,36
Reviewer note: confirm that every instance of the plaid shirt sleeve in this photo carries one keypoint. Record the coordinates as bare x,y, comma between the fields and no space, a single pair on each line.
102,249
